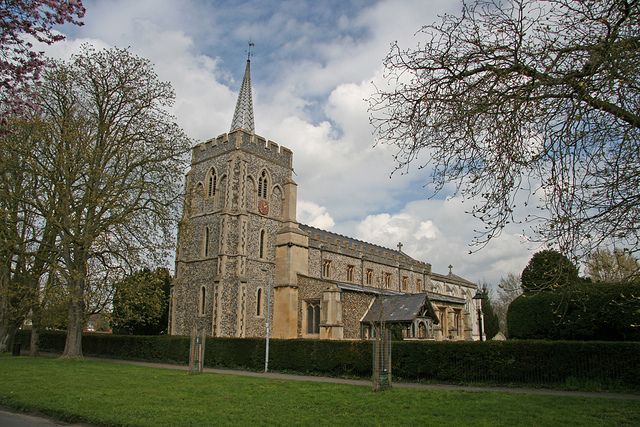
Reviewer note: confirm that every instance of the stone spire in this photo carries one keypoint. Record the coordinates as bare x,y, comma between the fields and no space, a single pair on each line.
243,116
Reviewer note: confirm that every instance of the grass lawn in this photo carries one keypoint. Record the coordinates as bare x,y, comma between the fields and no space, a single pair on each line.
116,394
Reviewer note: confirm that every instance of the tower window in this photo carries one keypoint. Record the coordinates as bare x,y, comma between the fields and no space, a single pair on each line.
206,241
262,243
263,184
350,273
212,182
369,276
203,300
259,302
326,268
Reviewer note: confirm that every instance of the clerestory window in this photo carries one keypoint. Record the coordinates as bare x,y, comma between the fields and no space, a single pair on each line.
350,273
326,268
369,276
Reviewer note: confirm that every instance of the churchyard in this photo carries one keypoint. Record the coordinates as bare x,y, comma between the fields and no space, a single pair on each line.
107,393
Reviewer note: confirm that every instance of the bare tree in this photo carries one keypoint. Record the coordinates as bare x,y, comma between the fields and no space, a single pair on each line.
612,266
112,158
517,98
509,288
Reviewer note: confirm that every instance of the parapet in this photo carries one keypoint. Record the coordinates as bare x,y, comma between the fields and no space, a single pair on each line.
242,140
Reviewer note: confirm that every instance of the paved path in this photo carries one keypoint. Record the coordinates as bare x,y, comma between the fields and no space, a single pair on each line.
367,383
13,419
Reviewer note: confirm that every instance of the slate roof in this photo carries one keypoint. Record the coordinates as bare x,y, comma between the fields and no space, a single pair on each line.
365,247
366,289
446,298
399,309
243,115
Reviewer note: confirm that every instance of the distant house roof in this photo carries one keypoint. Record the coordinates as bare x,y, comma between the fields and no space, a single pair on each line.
399,309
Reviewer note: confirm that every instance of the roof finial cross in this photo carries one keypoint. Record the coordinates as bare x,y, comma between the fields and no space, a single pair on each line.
249,52
400,246
450,268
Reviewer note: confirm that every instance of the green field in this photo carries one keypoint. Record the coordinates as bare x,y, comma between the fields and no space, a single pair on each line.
115,394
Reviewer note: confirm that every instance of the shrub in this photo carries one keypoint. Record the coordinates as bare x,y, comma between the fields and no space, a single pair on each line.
520,362
548,270
587,311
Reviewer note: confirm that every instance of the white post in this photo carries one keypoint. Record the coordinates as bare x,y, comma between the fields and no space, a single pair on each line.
266,351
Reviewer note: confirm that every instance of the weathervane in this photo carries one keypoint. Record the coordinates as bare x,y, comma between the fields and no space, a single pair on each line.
249,53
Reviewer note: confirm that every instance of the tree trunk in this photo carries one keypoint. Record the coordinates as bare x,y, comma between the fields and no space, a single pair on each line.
73,344
35,340
8,334
5,337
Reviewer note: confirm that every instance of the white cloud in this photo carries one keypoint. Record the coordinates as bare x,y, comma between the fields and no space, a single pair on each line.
439,232
316,216
313,102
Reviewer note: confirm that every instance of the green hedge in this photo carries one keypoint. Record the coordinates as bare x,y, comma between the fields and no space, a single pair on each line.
597,311
518,362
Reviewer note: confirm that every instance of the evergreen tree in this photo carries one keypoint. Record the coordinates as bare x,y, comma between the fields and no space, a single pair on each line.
548,270
491,320
141,303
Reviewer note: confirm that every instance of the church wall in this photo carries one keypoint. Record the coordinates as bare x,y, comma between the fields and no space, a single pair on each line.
340,262
354,306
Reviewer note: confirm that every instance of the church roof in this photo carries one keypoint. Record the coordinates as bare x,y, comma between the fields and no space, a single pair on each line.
317,235
243,115
400,309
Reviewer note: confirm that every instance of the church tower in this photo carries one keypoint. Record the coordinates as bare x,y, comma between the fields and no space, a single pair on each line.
238,238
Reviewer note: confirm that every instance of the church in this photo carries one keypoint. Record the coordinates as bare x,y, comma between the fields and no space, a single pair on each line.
245,264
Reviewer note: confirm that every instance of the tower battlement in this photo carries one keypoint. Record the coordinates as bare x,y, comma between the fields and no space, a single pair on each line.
242,140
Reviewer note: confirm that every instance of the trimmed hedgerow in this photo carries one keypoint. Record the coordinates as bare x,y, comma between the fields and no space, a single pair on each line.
594,311
517,362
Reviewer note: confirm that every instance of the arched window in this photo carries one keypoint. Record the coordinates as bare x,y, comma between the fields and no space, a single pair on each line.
369,276
313,317
212,182
259,302
206,241
326,268
262,244
203,300
263,184
422,330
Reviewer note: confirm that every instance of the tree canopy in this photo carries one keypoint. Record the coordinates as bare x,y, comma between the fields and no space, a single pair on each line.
107,160
548,270
530,109
141,303
612,266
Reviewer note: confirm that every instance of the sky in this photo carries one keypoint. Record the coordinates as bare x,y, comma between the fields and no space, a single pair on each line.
314,64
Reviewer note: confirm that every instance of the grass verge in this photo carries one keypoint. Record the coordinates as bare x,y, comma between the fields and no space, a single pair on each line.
115,394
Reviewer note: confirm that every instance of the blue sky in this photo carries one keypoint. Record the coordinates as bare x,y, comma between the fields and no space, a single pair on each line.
314,65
